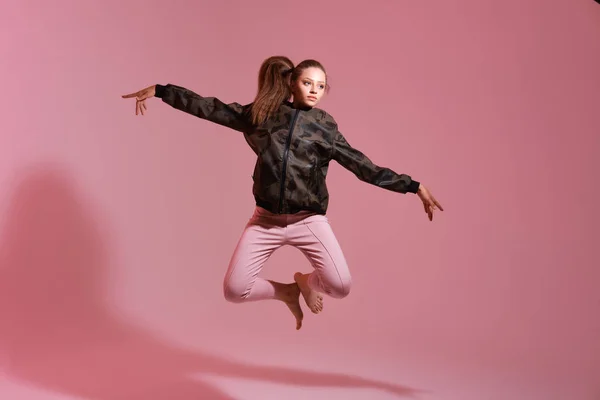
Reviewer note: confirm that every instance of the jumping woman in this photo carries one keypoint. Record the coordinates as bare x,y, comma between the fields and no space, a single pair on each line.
294,142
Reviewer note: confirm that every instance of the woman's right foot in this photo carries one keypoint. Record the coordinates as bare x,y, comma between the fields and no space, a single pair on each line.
313,299
290,295
293,303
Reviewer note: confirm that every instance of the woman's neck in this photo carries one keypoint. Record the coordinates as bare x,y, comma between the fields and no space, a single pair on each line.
300,106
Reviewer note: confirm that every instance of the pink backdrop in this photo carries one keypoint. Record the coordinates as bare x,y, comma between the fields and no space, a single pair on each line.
116,230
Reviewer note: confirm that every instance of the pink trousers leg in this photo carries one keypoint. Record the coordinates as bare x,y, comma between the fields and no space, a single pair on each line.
265,233
314,237
254,248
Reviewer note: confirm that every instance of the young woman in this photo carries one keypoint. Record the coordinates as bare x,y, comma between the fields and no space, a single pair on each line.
294,142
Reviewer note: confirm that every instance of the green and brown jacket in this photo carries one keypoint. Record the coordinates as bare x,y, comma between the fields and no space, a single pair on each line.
293,150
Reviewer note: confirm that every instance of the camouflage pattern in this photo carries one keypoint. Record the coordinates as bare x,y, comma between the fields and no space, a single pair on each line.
293,149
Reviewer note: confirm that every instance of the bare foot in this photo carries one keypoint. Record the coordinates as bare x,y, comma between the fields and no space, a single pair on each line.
313,299
290,295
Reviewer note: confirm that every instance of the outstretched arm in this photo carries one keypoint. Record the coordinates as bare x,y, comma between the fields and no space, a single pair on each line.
367,171
360,165
212,109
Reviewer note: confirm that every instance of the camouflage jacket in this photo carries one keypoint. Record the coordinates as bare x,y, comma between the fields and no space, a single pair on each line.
293,151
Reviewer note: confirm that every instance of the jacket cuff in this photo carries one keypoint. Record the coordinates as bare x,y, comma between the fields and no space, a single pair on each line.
413,186
159,91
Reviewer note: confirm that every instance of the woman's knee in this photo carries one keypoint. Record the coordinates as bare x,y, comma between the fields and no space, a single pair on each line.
339,288
235,293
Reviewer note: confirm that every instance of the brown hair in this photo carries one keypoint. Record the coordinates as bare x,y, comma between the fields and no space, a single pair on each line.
274,85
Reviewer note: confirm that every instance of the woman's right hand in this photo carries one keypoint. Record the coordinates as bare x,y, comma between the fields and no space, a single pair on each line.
140,98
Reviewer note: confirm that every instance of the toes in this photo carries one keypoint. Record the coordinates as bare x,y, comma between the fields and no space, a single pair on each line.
317,307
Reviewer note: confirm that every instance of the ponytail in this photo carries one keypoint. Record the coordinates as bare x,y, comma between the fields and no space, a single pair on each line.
273,88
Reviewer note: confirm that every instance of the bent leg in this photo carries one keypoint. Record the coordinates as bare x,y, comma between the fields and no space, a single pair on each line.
255,246
316,239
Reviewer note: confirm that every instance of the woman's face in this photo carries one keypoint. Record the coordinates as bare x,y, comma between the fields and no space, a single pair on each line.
309,87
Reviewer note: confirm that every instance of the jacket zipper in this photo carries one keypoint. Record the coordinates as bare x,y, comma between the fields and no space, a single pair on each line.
285,158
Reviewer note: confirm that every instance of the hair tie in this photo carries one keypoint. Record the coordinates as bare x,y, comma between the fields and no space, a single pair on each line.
288,71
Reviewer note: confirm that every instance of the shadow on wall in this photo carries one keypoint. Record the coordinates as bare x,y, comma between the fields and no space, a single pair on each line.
56,331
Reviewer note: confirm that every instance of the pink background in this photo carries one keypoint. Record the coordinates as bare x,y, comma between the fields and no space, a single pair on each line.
116,230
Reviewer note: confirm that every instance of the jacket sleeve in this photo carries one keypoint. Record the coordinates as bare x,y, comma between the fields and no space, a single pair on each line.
365,170
209,108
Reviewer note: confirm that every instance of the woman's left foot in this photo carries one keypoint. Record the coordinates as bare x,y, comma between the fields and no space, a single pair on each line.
313,299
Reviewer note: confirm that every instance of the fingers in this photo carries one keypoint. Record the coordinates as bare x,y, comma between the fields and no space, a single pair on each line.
140,106
137,101
428,209
437,204
140,100
130,95
140,95
430,204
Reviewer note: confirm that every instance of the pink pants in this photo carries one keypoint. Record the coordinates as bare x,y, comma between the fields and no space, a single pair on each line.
265,233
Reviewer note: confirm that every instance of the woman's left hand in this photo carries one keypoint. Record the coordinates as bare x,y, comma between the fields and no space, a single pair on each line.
429,202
